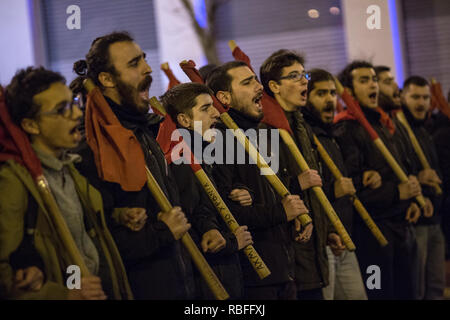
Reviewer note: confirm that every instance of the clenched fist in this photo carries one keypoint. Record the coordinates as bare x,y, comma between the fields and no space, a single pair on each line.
176,221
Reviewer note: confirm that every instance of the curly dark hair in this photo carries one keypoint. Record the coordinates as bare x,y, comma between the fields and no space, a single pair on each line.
25,84
98,59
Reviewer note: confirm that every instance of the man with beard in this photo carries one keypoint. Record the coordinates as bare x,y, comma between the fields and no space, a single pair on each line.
345,276
157,265
191,107
269,218
389,94
390,203
42,105
284,78
430,239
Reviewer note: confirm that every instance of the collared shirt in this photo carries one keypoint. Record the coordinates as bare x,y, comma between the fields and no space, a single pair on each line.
63,189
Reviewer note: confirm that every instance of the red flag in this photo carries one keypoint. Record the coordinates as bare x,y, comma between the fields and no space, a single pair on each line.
173,81
165,132
166,129
273,114
439,99
14,142
118,155
339,106
239,55
354,111
194,75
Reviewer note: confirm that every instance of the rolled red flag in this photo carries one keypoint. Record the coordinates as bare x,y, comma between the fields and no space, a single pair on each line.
239,55
193,74
173,81
273,113
439,99
14,142
354,112
117,153
339,106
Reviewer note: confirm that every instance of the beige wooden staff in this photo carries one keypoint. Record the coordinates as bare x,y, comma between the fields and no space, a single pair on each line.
269,174
356,202
340,229
416,145
60,225
375,138
208,274
273,179
204,268
318,191
255,260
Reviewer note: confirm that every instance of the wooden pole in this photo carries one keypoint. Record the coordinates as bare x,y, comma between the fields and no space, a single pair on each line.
398,171
356,202
204,268
318,191
61,226
255,260
272,178
208,274
416,145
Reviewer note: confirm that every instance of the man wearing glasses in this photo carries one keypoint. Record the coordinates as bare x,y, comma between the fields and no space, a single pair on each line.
284,78
43,106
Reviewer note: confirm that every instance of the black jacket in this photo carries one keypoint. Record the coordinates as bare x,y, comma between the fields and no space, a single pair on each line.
324,132
429,149
361,154
266,218
441,134
158,266
204,217
311,261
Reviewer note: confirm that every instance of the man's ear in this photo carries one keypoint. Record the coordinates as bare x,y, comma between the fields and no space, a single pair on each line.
184,120
106,79
30,126
224,97
274,87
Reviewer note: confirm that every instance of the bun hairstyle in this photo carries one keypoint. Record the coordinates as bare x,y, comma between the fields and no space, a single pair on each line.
80,67
98,59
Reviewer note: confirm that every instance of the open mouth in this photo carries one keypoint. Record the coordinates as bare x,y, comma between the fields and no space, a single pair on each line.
213,125
75,132
373,97
257,101
328,112
304,93
144,88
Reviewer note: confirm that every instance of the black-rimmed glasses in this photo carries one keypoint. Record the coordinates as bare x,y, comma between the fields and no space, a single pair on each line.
297,76
65,110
